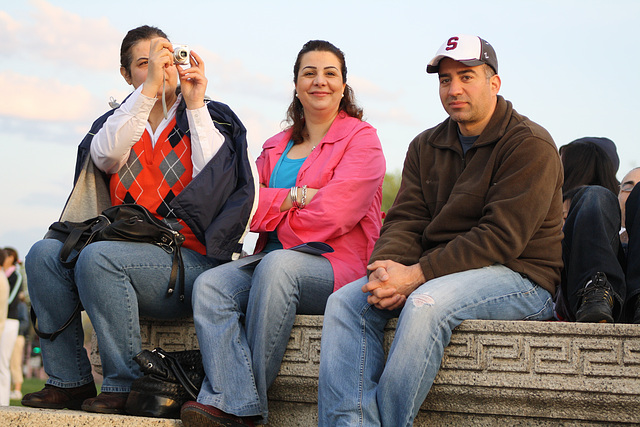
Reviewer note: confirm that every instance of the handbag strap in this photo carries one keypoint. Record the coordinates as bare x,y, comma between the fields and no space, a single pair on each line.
74,237
177,272
52,336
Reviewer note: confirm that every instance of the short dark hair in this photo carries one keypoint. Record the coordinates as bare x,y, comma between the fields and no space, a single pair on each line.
489,71
295,112
144,32
12,252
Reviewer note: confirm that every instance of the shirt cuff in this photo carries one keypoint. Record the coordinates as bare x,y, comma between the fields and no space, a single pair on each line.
138,104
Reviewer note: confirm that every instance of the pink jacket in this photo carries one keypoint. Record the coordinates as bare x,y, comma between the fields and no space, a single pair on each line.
348,168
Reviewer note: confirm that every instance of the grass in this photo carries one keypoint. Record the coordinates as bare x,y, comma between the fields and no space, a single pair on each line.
28,386
33,384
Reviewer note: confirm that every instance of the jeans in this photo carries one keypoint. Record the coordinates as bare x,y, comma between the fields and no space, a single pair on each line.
243,318
356,388
116,282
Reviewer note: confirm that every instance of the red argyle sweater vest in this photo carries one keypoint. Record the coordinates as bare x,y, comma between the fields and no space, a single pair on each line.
153,176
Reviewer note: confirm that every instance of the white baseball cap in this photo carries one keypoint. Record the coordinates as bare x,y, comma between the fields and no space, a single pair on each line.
470,50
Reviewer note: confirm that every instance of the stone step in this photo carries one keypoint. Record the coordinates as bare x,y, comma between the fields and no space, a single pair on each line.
17,416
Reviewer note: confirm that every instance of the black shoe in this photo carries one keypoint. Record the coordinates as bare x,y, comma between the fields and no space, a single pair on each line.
596,305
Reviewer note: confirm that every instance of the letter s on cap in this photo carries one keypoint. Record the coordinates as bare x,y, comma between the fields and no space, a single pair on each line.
452,43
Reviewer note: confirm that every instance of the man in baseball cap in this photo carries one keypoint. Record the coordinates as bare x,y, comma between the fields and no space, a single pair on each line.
469,50
474,233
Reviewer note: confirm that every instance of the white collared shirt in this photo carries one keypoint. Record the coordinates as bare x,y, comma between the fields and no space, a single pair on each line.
110,147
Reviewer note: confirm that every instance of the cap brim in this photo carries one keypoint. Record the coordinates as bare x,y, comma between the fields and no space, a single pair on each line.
434,65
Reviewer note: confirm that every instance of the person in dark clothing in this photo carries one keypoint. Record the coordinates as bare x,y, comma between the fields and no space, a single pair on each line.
601,248
585,162
474,233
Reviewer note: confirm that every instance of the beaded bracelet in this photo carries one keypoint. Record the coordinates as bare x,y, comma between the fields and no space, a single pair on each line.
303,202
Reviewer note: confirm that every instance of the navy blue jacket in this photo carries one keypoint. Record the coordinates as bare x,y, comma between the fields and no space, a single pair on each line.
218,203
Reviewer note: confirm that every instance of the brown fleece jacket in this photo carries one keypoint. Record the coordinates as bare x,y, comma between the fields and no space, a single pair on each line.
499,204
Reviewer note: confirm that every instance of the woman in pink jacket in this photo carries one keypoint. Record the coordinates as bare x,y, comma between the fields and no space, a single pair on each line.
321,181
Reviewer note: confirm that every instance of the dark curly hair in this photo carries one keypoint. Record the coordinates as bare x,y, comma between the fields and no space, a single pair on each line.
295,112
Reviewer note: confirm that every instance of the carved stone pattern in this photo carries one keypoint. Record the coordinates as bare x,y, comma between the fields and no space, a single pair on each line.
568,355
586,360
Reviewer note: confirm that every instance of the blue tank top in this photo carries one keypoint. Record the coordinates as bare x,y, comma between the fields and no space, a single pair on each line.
284,175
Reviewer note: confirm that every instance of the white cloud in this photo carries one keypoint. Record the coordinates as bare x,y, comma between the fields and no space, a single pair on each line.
57,35
9,28
233,76
44,99
366,88
392,115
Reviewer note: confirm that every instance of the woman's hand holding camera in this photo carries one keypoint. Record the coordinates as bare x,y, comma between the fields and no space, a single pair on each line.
162,66
193,82
160,60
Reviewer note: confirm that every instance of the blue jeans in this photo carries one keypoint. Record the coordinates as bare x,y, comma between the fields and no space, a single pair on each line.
243,319
356,388
116,282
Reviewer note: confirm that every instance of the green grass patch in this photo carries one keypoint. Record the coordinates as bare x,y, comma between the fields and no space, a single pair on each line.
28,386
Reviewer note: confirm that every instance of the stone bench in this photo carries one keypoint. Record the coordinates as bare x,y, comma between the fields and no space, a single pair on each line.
493,373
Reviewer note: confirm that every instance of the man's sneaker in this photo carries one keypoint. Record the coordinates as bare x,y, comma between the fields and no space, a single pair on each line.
596,305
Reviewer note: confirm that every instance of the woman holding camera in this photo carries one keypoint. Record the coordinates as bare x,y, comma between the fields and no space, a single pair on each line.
321,180
187,162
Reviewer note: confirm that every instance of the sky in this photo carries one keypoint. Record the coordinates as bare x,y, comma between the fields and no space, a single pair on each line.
563,64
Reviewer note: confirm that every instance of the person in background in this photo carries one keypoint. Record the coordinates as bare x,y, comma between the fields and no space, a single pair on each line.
5,377
587,161
474,233
17,356
321,181
627,185
183,158
590,161
17,311
12,324
601,249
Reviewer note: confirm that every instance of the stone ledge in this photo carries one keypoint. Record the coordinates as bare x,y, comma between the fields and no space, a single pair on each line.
32,417
497,372
493,373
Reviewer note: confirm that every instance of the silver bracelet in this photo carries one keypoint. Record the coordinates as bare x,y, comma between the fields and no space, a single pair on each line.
303,202
293,195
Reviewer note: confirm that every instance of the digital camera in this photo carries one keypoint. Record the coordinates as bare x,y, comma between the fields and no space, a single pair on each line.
181,54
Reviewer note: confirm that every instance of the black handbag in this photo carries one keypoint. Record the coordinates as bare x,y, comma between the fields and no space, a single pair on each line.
126,222
170,379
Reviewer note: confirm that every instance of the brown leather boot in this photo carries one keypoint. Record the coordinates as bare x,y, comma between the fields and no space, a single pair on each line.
194,414
106,403
53,397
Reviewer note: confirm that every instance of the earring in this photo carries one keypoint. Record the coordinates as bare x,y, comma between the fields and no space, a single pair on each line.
297,94
343,94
